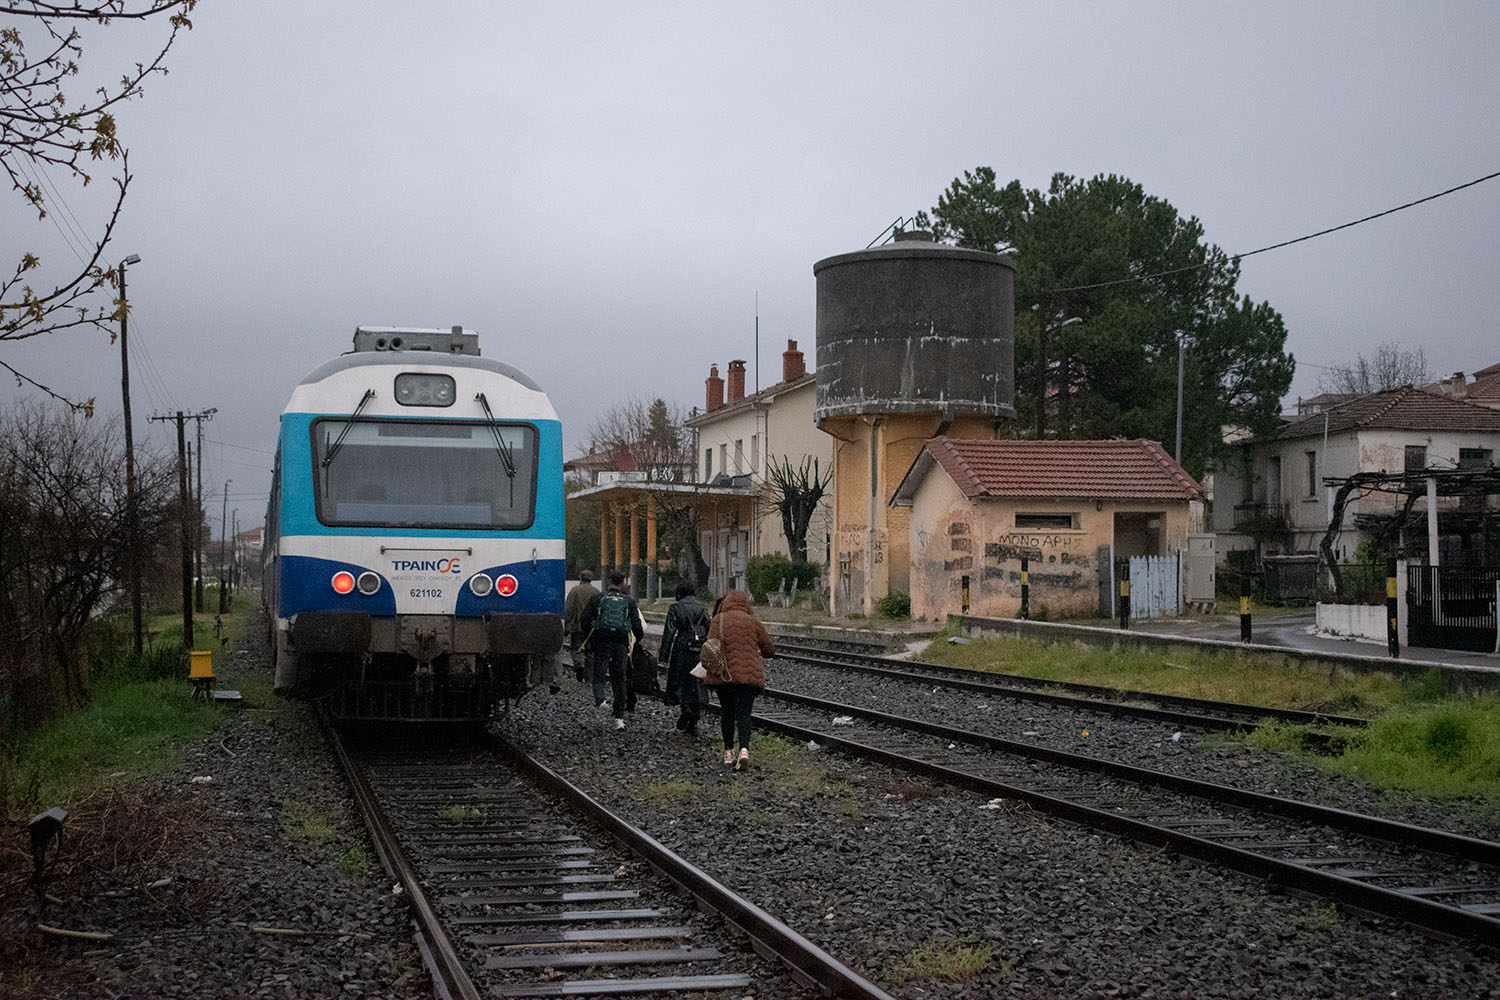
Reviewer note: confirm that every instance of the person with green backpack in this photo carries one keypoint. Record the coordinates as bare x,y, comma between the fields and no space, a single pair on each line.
609,620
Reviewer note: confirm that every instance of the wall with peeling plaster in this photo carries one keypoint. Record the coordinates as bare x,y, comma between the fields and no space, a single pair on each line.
952,537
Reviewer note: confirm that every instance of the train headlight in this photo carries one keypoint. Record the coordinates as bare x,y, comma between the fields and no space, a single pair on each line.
368,583
419,389
480,584
506,585
343,582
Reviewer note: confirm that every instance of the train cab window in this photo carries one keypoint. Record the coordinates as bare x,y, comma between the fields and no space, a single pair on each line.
425,474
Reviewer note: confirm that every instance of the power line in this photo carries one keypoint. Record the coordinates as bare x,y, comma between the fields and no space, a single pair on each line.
73,224
240,447
156,385
1283,243
52,216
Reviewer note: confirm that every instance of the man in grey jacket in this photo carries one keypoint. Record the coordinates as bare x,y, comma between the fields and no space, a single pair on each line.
578,599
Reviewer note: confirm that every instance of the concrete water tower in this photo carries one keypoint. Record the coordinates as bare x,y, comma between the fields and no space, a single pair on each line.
914,339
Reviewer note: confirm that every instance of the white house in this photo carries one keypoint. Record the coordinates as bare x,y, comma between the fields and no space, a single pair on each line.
736,438
1271,496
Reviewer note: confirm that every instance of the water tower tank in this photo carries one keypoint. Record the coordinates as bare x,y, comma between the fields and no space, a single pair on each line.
914,327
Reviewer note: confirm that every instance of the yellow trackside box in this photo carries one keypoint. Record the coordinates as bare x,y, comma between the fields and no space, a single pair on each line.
201,665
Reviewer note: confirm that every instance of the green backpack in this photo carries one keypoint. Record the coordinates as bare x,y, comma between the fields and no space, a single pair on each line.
613,621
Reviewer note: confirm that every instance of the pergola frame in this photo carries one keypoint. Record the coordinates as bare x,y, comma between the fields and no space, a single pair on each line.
1411,485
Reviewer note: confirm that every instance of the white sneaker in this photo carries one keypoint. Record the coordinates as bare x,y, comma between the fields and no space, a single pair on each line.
729,756
619,723
602,710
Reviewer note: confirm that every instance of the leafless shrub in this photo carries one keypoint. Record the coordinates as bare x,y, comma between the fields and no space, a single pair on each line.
63,546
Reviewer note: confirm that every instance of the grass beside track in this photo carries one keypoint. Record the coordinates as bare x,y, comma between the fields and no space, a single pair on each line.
141,713
1422,739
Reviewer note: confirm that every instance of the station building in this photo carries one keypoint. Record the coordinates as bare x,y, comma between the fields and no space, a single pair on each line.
1071,510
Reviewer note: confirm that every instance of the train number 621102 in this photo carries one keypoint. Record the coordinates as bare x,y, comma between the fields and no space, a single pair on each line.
426,592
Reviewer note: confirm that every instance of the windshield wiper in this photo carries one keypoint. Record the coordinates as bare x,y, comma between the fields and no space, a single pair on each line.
505,456
349,426
506,459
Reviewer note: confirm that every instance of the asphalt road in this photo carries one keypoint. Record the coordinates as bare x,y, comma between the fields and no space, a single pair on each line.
1295,629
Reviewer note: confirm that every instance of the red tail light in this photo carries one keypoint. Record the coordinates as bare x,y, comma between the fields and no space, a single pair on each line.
343,582
506,585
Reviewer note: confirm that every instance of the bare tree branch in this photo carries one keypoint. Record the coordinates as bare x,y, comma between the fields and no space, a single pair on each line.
645,437
795,493
1388,368
42,129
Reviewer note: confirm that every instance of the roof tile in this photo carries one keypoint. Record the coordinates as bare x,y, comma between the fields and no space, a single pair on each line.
1096,470
1407,408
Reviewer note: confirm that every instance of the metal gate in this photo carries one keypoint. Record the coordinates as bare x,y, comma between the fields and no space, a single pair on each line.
1451,607
1155,586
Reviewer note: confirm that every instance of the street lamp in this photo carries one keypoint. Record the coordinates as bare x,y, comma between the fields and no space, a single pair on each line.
1181,346
131,556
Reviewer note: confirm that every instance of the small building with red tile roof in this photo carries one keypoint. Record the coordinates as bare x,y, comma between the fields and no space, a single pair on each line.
1070,508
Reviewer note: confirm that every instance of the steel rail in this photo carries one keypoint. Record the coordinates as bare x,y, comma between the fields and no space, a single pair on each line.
1015,685
450,979
1413,909
1456,844
660,618
808,963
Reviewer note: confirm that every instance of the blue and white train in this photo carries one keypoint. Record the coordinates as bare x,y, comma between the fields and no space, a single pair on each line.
414,539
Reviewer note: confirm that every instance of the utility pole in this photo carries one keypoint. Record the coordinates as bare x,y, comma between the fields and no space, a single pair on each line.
223,568
132,538
185,499
207,414
234,548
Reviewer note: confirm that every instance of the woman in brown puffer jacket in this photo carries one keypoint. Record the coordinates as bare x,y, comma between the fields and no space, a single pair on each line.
745,641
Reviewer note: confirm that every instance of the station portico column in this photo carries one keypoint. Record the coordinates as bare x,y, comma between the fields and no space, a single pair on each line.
651,585
635,550
619,554
603,545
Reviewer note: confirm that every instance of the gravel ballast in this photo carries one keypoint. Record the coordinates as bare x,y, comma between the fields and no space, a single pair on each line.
879,870
271,889
872,867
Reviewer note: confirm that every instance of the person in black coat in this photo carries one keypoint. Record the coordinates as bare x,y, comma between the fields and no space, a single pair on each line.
681,641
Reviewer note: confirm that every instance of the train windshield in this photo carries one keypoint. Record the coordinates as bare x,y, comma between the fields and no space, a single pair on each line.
425,474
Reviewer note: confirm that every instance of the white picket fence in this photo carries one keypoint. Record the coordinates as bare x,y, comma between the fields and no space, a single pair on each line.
1155,586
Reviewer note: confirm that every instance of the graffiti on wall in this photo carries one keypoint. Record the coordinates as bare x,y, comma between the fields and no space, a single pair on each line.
960,547
1055,561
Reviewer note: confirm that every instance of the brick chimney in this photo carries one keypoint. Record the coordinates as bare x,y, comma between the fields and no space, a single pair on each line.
1459,387
715,388
792,365
736,381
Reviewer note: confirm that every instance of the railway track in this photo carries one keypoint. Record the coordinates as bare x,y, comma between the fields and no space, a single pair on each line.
1183,712
515,894
835,640
1444,882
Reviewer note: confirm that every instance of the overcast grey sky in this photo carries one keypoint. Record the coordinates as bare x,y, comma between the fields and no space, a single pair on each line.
603,193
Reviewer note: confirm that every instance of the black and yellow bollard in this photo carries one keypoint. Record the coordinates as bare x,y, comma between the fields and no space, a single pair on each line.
1392,635
1025,589
1244,609
965,595
1125,595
